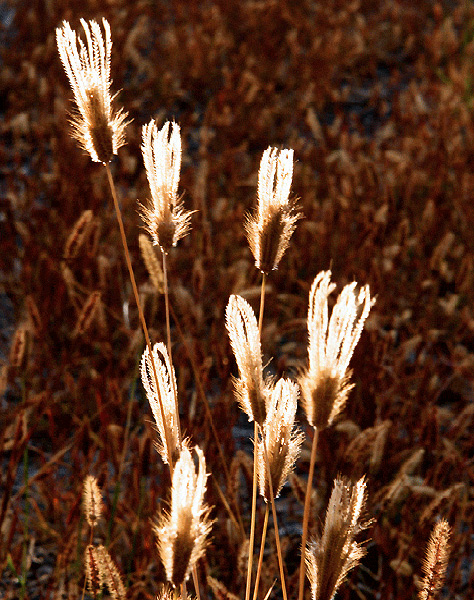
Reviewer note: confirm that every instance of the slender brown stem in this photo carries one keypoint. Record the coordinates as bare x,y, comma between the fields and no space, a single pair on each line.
196,583
262,305
275,521
260,556
307,504
140,312
254,510
205,401
168,338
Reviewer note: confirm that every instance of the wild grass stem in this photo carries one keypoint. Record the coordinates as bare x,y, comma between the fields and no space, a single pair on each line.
307,504
137,300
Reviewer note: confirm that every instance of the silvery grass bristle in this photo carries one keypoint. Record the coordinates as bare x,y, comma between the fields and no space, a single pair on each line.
182,533
99,129
332,555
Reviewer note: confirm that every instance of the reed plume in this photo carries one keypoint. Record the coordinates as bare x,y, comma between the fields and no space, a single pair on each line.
325,384
281,439
161,394
436,561
165,218
330,557
98,128
270,228
251,390
181,534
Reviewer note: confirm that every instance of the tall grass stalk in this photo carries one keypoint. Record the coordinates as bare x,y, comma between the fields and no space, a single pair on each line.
137,300
307,504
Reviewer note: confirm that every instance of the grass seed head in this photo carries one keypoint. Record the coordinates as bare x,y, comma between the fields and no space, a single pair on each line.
270,228
165,218
436,561
181,534
325,384
163,394
282,441
251,390
330,557
97,127
92,500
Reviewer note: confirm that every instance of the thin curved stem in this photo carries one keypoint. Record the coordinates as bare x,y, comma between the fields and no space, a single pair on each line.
254,510
262,305
275,520
140,312
307,504
260,556
168,338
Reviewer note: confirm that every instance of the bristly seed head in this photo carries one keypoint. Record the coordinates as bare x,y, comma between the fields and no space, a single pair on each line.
269,230
330,557
436,561
251,390
181,534
92,499
98,129
325,384
282,440
165,218
164,394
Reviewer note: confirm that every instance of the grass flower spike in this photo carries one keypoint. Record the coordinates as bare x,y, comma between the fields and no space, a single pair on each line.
165,395
250,388
181,534
282,442
165,218
330,558
326,383
98,128
269,230
436,561
92,499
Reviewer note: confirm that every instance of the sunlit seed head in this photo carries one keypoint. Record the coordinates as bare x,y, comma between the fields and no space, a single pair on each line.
92,500
97,127
270,228
251,389
325,384
181,534
330,557
164,216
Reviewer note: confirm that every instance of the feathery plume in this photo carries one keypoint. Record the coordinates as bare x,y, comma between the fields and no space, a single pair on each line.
251,390
282,441
335,553
181,533
165,218
269,230
92,500
325,384
436,561
164,394
152,263
109,574
97,127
